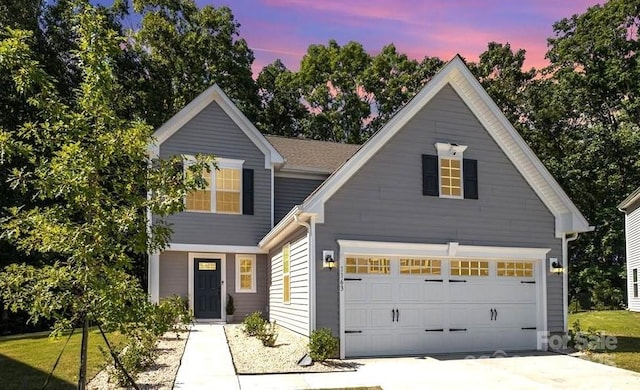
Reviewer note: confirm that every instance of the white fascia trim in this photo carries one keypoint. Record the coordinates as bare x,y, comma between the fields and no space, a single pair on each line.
301,169
452,249
456,74
285,227
223,277
213,248
630,200
211,94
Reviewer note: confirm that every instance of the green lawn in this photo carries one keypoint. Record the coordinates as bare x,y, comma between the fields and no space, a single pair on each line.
26,360
624,325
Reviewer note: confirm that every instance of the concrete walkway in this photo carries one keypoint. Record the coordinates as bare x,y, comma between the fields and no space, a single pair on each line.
207,364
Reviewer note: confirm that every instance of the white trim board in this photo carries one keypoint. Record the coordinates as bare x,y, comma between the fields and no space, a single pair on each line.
215,94
213,248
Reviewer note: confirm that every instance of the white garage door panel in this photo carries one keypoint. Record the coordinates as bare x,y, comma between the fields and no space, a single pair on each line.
433,291
409,317
356,318
429,313
380,291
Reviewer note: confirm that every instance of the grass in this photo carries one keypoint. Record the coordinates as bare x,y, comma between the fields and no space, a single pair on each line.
27,359
625,325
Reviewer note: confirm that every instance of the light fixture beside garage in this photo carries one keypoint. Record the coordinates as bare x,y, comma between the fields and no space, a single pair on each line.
555,266
328,260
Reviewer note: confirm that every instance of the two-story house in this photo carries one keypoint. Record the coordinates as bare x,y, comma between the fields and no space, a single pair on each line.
442,233
631,209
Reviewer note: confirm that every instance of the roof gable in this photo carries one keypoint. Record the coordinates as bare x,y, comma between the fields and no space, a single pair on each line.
568,218
215,94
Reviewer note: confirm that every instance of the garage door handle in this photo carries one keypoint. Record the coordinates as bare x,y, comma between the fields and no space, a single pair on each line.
397,315
458,330
352,331
529,328
457,281
434,330
352,278
527,282
393,315
434,280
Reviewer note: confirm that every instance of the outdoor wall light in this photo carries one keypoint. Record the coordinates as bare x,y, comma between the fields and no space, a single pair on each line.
328,260
555,266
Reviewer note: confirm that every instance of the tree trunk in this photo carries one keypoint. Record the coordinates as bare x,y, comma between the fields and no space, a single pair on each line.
82,377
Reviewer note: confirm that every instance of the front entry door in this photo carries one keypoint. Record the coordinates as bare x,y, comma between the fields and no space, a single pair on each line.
207,302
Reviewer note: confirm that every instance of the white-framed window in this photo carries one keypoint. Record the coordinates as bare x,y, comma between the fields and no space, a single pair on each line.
245,273
286,273
223,193
450,170
635,283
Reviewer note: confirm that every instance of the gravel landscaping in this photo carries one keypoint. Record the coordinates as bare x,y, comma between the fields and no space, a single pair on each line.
160,375
251,357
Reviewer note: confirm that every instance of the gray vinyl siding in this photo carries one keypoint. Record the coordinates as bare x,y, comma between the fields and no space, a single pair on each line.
174,274
383,201
247,303
213,132
289,192
295,314
632,222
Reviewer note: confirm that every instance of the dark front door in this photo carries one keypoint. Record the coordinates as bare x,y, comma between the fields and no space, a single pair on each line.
207,285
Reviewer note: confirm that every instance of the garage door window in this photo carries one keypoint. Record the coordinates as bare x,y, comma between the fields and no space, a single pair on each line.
469,268
420,267
515,268
368,265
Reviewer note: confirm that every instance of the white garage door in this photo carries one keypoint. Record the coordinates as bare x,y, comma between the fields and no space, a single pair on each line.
399,306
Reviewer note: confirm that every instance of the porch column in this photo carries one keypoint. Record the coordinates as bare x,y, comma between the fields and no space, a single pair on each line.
154,277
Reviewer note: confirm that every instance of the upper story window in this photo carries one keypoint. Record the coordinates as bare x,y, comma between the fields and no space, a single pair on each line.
449,175
229,189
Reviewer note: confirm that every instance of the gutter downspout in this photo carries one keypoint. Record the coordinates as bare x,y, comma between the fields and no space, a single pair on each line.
311,270
565,279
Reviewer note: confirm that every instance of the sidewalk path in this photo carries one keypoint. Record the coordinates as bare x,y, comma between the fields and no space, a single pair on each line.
206,362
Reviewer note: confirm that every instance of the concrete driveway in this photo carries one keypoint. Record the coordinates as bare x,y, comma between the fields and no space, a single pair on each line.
533,371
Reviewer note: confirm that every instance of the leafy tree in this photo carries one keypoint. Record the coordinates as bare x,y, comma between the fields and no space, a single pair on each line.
392,79
330,78
190,49
87,170
586,111
281,110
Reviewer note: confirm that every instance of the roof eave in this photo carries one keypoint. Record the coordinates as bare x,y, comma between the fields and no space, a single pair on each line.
286,226
630,200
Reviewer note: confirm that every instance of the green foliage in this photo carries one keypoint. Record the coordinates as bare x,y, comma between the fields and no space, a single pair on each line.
322,345
139,353
230,307
172,314
253,323
268,334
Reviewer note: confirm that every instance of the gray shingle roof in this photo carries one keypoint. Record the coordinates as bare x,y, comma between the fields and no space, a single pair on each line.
312,155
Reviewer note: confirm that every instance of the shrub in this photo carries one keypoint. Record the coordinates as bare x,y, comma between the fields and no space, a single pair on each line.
322,345
138,354
254,323
230,308
171,314
268,334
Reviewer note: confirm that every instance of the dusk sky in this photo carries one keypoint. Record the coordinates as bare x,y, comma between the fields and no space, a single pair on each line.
285,28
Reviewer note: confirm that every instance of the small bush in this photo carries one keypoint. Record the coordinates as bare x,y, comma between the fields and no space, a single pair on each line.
172,314
322,345
254,323
231,307
268,334
138,354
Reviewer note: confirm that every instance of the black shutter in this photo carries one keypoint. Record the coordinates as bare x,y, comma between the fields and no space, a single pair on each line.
247,191
430,175
470,176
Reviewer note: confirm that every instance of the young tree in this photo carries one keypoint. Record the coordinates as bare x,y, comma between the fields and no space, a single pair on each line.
90,174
